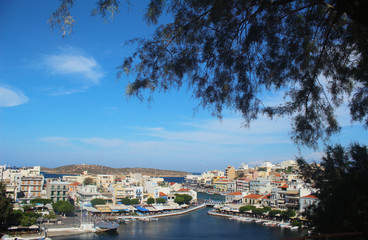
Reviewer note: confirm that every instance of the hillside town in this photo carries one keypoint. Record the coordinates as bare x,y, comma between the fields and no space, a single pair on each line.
274,189
277,186
27,183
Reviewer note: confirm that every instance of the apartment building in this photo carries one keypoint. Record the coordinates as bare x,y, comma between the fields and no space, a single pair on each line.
57,191
31,187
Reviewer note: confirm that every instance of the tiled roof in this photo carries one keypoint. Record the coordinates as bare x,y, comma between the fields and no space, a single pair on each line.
183,190
235,193
278,181
161,194
268,196
284,186
310,196
172,183
254,196
75,184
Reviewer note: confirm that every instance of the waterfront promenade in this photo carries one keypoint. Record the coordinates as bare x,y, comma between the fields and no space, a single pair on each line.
270,222
87,228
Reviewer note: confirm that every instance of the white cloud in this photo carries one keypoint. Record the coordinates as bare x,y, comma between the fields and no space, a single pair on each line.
229,131
103,142
75,64
11,98
61,141
99,142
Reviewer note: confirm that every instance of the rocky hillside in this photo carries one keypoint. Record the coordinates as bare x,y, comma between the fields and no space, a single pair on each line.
97,169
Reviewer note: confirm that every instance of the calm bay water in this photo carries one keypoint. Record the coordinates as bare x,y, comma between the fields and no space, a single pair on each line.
194,225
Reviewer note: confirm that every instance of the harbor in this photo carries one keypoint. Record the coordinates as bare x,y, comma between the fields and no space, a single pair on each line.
196,224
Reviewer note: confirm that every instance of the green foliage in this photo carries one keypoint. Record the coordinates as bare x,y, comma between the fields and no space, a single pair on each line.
125,201
89,181
273,213
50,216
267,208
28,207
27,221
247,208
63,207
6,208
16,217
184,198
41,200
134,201
258,210
179,200
32,214
150,200
288,213
339,183
161,200
296,223
19,217
98,201
262,169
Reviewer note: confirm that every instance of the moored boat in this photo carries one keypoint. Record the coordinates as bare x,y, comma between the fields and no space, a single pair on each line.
107,226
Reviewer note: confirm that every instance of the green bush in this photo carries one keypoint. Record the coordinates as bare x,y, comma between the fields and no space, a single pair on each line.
98,201
246,208
161,200
150,200
41,200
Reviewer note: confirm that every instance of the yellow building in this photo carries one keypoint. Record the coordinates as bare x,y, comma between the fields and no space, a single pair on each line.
230,173
221,185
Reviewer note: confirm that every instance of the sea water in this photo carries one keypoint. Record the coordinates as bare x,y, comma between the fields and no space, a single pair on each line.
194,225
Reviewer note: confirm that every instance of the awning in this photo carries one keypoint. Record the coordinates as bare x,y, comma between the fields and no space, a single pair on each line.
158,207
91,209
151,209
34,227
141,209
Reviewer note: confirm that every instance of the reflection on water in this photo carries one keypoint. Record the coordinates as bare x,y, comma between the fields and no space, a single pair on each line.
194,225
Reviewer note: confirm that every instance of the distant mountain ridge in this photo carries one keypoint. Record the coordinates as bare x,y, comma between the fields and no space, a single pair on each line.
98,169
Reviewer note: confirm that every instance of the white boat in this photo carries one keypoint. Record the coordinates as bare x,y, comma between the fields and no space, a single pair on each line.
107,227
267,223
284,225
294,228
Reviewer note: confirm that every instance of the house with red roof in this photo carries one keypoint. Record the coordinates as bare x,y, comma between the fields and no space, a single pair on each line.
234,197
307,201
175,186
253,199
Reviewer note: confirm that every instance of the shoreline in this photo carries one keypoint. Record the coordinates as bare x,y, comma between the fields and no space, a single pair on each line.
58,232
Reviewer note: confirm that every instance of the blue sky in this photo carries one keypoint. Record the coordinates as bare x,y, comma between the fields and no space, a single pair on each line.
60,102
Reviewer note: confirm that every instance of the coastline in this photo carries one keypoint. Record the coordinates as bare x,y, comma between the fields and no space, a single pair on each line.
58,232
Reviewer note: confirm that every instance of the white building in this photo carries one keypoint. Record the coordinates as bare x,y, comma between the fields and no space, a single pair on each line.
86,193
288,163
243,166
306,201
266,164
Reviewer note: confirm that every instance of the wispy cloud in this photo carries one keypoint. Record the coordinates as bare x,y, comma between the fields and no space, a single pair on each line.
103,142
76,70
75,64
229,131
11,97
99,142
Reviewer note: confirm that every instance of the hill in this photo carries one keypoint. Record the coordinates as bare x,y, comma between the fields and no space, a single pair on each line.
98,169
